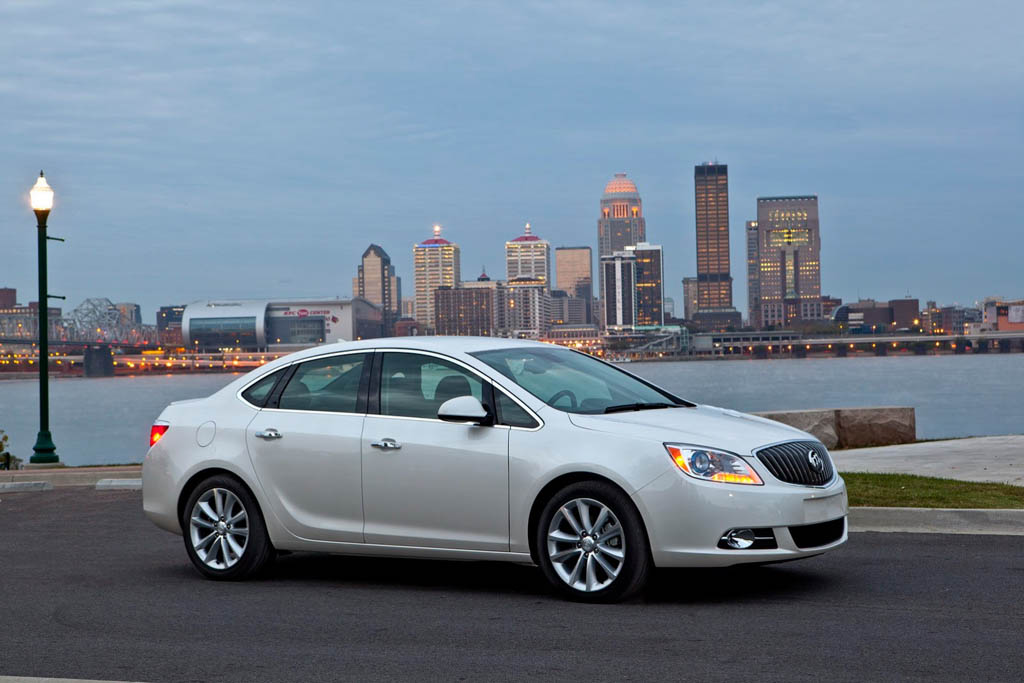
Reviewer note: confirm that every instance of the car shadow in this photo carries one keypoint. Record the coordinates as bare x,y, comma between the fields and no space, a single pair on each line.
693,586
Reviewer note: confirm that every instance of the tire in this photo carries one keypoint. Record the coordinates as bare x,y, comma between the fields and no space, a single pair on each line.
613,564
222,508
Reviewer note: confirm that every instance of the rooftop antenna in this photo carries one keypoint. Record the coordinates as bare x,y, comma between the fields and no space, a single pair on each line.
527,229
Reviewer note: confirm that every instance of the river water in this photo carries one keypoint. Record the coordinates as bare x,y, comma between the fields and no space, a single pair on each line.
101,421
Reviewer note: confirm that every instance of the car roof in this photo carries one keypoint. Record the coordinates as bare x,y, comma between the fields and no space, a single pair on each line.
440,344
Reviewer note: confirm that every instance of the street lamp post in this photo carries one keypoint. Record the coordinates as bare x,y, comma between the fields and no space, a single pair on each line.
44,452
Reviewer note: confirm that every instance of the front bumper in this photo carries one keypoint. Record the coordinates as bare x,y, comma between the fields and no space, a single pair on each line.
686,518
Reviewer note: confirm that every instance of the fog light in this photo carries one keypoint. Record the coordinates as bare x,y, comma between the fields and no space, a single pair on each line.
740,539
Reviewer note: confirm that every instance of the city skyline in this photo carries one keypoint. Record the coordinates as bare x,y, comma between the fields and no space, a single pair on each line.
200,134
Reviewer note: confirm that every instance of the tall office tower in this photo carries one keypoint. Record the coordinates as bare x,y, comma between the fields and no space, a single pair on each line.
622,220
618,272
377,283
714,283
753,276
789,259
528,257
574,276
650,291
496,290
689,297
436,264
8,297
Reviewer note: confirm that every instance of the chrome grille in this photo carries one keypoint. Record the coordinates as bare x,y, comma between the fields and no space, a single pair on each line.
791,463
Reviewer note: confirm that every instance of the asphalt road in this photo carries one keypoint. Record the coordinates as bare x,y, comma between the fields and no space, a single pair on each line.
92,590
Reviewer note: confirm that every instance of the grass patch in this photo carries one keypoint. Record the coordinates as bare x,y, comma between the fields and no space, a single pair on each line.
912,491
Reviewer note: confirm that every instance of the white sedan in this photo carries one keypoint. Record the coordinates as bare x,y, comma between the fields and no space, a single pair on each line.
483,449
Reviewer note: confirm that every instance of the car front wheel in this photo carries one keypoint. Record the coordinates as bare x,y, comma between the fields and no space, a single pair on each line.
225,536
591,544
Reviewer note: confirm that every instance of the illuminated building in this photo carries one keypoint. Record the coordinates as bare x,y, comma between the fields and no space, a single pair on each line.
618,272
753,282
464,311
377,283
130,313
258,325
168,325
1004,316
528,257
788,284
650,279
436,264
689,297
525,308
574,276
622,220
711,195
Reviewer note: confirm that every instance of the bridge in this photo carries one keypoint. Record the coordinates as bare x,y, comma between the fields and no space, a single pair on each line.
786,343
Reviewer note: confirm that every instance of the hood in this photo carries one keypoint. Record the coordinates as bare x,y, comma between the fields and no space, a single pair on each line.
701,426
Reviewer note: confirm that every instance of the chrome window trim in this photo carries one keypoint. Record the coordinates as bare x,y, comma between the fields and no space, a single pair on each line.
481,375
830,482
285,366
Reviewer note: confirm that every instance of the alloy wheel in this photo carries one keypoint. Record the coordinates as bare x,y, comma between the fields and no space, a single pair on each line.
219,528
586,544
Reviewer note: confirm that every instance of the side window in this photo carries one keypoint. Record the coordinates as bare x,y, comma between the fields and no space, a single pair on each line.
415,385
511,413
258,393
328,384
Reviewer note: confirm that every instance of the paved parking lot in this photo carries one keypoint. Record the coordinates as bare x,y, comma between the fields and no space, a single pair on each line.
93,590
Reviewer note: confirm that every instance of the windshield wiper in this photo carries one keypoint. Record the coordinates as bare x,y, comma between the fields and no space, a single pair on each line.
626,407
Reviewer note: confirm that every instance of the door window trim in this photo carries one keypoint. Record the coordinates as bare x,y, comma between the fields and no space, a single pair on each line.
489,387
275,396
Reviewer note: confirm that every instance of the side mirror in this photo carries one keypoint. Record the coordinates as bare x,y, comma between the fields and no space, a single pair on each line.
465,409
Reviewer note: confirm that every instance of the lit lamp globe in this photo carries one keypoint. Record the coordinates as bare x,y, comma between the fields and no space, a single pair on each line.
41,196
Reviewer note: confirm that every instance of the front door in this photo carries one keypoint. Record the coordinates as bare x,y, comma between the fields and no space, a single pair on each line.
306,449
426,482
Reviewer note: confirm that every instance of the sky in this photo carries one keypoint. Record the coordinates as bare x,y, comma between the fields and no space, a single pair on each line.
244,149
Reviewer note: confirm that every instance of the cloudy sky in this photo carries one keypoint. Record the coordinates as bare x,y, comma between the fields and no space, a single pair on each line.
247,149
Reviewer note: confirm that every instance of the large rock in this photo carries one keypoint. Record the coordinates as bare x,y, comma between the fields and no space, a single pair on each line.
860,427
820,423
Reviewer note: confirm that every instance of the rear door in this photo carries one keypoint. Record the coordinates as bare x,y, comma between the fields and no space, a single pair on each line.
426,482
305,447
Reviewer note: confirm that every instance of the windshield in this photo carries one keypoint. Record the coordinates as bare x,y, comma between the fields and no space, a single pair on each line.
575,382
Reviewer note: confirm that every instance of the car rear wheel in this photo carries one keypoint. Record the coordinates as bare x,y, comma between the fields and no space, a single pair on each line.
225,536
591,544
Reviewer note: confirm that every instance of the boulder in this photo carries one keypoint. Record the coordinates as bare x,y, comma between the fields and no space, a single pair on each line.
862,427
820,423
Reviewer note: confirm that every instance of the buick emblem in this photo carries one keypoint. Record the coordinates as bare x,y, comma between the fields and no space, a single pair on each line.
814,460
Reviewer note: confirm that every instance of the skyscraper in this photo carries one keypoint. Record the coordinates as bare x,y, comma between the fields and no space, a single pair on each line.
622,221
618,272
436,264
528,257
376,282
650,279
714,281
689,297
622,216
753,276
574,276
789,260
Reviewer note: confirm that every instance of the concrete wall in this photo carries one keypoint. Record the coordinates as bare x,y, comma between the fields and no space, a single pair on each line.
853,427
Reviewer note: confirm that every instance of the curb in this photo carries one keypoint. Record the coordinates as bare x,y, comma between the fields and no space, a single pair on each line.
71,476
937,521
25,486
119,485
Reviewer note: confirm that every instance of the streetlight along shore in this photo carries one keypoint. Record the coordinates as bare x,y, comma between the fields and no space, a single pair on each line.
44,450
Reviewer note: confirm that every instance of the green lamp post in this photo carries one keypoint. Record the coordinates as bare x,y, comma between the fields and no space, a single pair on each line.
45,451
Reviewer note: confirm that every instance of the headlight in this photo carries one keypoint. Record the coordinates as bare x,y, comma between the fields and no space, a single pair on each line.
709,465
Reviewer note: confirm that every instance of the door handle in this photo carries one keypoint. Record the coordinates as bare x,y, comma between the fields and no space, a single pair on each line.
268,434
386,445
